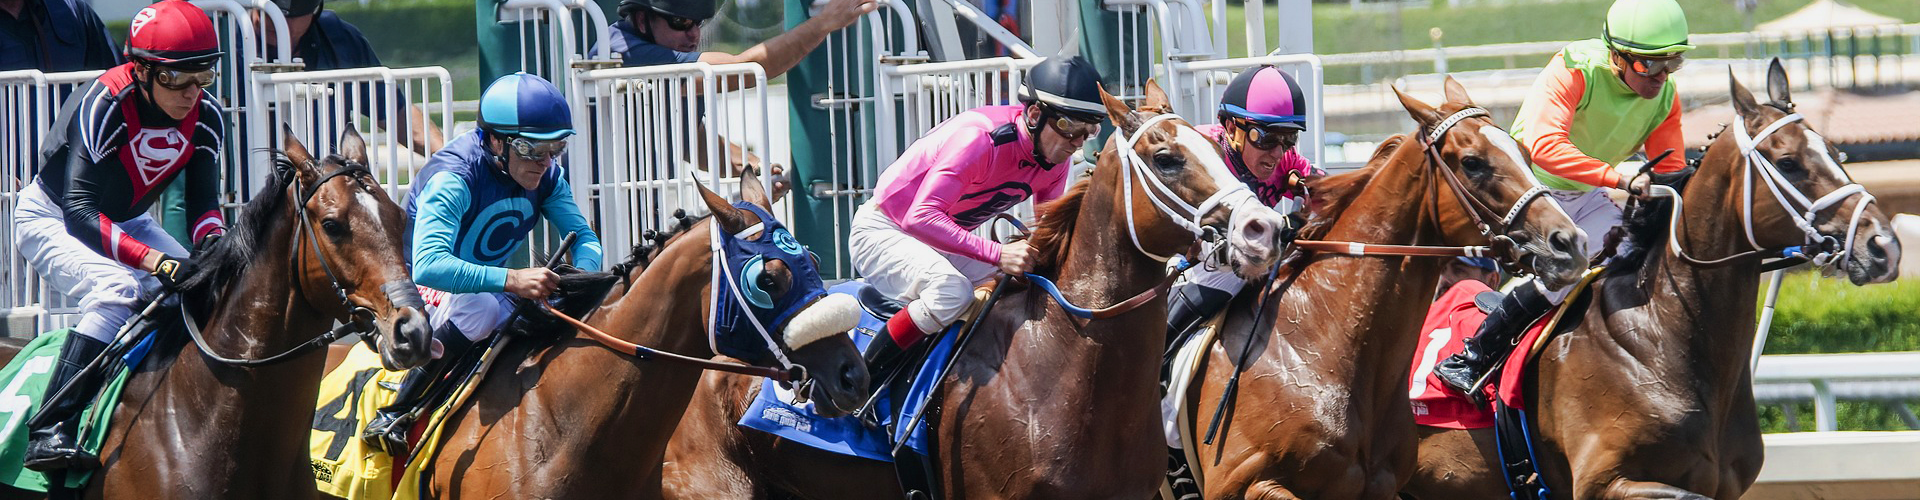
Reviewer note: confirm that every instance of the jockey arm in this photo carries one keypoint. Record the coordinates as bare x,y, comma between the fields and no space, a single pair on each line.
1553,101
96,177
565,216
435,265
784,51
929,217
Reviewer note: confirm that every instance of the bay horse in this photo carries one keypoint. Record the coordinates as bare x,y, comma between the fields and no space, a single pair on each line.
1321,404
1042,404
320,244
577,420
1651,397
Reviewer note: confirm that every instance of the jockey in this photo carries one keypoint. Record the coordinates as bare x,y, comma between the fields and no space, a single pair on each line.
1597,102
473,206
1262,114
912,241
83,224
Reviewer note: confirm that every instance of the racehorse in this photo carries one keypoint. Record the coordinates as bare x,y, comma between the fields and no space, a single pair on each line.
1041,404
577,420
1652,397
1321,409
228,419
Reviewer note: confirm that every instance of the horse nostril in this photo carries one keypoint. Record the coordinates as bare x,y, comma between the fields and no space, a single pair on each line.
1876,247
1254,229
1562,242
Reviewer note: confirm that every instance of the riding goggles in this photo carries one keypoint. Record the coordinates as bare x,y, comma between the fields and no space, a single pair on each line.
1266,138
1074,130
677,23
1651,66
532,150
173,79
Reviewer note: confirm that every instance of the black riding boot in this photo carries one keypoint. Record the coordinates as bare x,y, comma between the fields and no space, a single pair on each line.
387,431
1495,338
1191,305
883,358
51,442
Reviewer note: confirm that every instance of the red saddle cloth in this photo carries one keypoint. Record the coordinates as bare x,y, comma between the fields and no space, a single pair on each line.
1449,322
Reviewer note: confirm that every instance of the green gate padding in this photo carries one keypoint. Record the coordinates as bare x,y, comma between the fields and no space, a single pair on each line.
22,384
812,145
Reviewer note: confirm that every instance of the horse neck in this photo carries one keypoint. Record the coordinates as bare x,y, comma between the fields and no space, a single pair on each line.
1394,290
1102,265
1715,313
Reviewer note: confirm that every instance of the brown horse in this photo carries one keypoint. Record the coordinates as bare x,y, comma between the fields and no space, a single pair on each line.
1651,396
319,245
1321,410
1041,404
580,421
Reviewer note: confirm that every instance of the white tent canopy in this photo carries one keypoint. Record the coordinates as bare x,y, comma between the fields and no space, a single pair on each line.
1824,15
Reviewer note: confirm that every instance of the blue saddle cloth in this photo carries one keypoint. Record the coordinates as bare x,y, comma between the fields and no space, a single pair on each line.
772,411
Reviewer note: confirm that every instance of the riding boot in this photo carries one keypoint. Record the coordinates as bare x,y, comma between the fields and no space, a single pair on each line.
1192,305
51,441
884,355
387,430
1495,338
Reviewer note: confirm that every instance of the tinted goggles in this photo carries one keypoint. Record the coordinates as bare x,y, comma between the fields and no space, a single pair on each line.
173,79
1074,130
1649,67
532,150
1268,137
680,23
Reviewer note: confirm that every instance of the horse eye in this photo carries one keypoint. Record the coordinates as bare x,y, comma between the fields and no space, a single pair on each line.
1168,161
765,282
1476,165
333,228
1788,164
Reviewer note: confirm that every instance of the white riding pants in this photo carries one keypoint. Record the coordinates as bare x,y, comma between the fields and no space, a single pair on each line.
937,286
107,289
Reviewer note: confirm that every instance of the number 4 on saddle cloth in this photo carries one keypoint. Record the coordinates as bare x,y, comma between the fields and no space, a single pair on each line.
1501,404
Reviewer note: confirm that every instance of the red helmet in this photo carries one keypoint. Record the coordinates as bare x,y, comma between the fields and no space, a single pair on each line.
174,33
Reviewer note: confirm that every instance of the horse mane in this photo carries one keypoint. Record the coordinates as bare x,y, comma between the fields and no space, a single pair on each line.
1055,227
1330,195
652,242
226,259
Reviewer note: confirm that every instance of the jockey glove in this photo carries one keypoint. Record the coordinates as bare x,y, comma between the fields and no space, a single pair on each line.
171,269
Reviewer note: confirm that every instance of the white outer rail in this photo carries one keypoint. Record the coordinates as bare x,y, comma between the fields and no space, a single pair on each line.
1823,369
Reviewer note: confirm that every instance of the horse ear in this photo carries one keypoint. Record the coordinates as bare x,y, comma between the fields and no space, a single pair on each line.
1118,111
1420,111
1457,93
751,190
352,146
1777,85
296,152
1156,98
1743,102
729,218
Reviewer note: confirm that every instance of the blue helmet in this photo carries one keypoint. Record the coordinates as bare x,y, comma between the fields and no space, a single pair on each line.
527,106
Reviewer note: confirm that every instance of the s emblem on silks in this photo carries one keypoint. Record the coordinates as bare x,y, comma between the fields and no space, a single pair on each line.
744,314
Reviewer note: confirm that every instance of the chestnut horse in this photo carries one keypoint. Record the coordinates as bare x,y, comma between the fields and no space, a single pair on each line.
1651,397
1041,404
1321,410
319,245
578,420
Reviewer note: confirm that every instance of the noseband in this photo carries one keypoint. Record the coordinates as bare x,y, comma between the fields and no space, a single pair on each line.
1483,215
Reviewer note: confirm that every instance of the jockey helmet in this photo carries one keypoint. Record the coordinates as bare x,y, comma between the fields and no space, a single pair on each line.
297,8
1069,86
1265,96
525,105
698,10
1647,27
175,34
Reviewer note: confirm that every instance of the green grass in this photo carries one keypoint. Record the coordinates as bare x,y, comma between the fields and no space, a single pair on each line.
1829,315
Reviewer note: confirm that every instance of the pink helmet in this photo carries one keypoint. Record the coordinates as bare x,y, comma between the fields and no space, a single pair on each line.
1267,96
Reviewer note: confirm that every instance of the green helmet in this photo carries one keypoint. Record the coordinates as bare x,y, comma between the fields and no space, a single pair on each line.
1647,27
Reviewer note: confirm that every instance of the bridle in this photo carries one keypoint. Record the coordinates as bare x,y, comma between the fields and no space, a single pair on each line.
1492,224
1234,195
1831,251
360,319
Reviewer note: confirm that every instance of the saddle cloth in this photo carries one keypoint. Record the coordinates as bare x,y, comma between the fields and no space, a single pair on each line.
775,411
23,384
346,467
1449,322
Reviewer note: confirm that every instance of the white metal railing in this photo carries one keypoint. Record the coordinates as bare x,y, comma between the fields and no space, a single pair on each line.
1830,375
32,100
394,110
555,34
651,132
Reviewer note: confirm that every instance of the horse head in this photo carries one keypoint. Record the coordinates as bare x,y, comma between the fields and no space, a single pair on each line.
1177,187
1496,198
1792,190
767,305
347,240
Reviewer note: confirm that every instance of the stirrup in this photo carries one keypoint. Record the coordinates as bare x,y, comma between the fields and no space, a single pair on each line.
388,432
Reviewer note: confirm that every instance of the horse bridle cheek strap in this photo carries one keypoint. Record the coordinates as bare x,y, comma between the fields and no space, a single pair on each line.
359,319
1484,216
1790,197
1232,194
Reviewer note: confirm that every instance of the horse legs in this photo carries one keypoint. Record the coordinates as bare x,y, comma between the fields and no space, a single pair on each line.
1269,490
